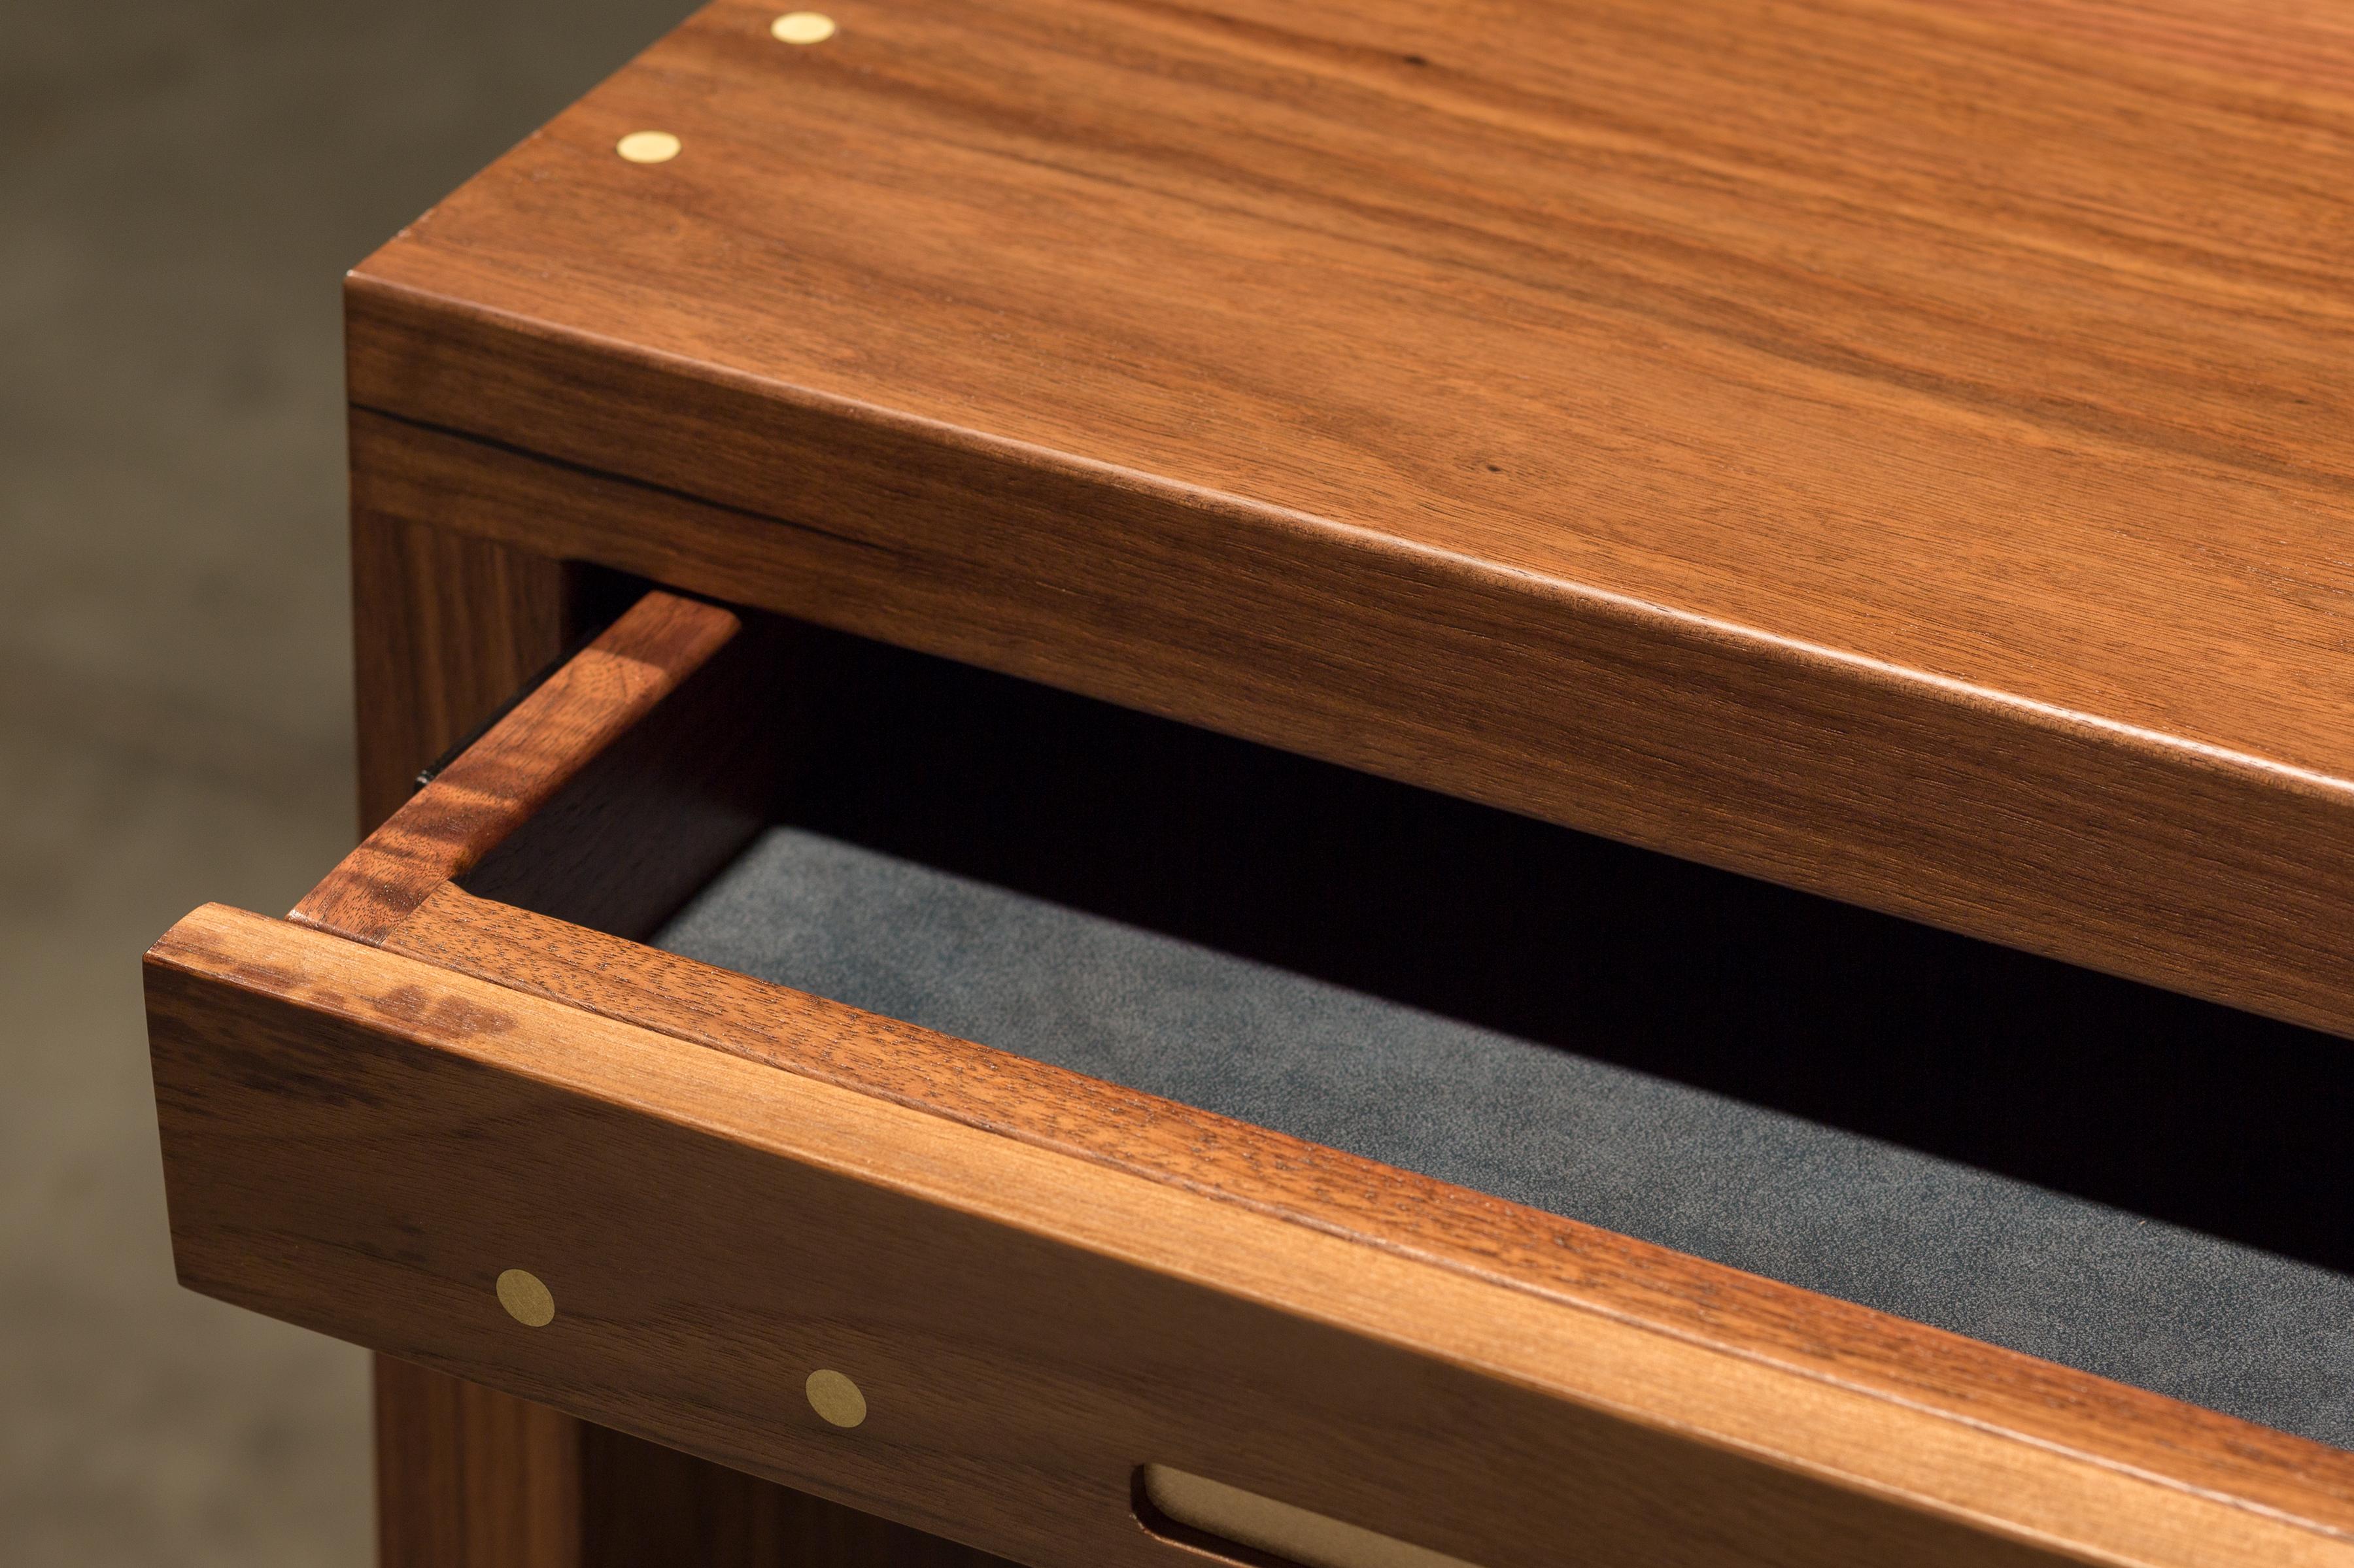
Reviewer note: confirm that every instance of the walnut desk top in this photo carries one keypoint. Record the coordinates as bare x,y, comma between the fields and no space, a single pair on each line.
1903,451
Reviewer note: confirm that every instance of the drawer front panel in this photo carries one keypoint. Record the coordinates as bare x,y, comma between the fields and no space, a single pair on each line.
364,1144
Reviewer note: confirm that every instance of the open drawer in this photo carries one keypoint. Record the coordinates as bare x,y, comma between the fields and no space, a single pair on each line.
1257,1227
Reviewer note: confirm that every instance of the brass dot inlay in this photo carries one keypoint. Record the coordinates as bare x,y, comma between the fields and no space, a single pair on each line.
836,1398
647,146
527,1301
801,27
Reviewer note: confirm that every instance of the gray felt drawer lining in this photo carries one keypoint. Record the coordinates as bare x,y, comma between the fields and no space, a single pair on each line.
2146,1303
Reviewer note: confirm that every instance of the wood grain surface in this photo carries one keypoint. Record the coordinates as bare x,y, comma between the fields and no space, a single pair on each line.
494,787
1899,449
650,804
450,628
1342,1194
566,757
446,627
361,1141
469,1476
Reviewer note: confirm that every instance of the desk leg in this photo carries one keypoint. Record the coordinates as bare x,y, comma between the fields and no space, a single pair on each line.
469,1477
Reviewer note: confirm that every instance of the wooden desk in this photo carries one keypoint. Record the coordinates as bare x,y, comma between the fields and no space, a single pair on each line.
1899,451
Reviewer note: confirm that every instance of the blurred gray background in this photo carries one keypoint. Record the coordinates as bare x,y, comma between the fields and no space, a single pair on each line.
181,186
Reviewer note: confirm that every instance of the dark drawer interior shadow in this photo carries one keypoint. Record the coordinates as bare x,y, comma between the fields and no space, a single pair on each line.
2150,1102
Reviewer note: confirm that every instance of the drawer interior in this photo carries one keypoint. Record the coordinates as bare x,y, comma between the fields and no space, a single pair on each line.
2120,1180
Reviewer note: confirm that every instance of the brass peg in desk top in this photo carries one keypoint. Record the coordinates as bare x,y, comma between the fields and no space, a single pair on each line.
527,1300
647,146
836,1398
801,27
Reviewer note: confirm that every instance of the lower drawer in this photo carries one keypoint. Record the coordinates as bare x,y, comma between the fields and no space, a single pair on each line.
1348,1174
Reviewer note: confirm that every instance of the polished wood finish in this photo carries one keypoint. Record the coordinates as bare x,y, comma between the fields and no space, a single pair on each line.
1897,449
1872,1403
447,628
1893,447
2135,857
493,788
450,628
659,799
468,1476
360,1141
1810,1336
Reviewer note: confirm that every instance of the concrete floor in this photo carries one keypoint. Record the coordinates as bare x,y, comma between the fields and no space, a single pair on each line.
180,187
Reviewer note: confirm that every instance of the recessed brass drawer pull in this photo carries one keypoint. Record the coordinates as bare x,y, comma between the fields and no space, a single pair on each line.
1197,1507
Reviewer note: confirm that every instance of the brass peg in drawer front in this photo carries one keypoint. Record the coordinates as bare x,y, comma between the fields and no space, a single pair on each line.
527,1301
801,27
647,146
836,1398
